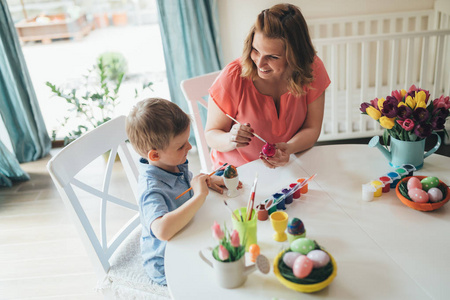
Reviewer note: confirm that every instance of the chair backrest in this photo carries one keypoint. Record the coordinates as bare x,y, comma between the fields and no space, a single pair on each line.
74,171
195,91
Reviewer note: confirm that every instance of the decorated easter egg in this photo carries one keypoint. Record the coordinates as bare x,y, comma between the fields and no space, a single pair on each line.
296,227
303,245
429,182
230,172
414,183
319,258
289,258
435,194
269,150
418,195
302,266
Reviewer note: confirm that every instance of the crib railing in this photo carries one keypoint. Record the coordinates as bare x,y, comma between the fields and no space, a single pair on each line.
363,67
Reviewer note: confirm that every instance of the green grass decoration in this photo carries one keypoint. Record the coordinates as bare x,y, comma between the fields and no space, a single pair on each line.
403,189
316,275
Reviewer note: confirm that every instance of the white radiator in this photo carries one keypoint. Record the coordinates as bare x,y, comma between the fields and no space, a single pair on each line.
369,56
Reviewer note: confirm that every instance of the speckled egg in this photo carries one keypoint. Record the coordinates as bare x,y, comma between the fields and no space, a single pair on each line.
435,194
269,150
230,172
296,227
319,258
418,195
303,245
414,183
289,258
429,182
302,266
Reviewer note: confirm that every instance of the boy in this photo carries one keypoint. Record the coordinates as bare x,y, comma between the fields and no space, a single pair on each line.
159,132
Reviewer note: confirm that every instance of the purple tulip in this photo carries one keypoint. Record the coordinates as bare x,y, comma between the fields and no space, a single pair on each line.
404,112
390,108
423,130
420,114
364,106
438,123
440,112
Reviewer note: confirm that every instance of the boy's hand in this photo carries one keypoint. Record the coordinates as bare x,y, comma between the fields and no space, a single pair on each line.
200,184
217,184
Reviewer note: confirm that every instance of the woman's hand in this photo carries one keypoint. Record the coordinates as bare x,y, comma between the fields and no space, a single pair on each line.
240,135
280,158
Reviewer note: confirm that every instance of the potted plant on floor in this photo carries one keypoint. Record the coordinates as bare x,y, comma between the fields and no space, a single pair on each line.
95,102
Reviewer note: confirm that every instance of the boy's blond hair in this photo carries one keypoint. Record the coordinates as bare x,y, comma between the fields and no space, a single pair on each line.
153,122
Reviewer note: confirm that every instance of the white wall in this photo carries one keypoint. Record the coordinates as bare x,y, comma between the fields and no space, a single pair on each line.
237,16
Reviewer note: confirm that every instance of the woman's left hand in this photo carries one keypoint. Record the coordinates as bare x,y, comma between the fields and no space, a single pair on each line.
280,158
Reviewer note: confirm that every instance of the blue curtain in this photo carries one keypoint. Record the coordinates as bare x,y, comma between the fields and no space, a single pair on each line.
19,107
191,42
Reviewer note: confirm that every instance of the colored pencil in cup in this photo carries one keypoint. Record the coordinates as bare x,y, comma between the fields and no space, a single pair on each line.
210,174
251,201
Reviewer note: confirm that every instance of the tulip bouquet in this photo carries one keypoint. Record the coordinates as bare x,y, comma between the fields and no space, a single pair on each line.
408,115
230,247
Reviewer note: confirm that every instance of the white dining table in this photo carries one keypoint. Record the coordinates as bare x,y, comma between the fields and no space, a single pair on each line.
383,249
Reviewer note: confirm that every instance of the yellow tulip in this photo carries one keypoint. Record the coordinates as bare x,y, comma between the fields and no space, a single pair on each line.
401,103
373,112
380,103
411,102
421,103
420,99
403,93
387,123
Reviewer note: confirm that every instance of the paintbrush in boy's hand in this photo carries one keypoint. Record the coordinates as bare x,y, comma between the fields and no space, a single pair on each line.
210,174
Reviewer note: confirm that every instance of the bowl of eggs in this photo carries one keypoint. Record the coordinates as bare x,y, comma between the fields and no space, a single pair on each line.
422,193
305,267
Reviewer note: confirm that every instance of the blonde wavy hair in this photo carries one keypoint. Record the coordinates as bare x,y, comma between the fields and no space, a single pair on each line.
153,122
285,22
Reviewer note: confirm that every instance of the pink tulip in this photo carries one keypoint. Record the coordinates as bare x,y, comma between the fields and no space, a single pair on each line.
407,124
442,102
223,253
234,238
217,231
397,95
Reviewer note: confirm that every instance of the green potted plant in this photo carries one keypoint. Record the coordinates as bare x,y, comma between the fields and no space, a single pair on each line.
94,103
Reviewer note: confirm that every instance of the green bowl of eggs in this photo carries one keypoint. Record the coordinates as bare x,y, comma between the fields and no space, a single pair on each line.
305,266
422,193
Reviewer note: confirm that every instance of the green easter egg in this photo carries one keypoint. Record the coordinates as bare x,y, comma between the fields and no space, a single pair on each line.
429,182
303,245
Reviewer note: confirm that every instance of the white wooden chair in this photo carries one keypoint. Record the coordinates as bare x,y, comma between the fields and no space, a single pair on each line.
94,203
195,90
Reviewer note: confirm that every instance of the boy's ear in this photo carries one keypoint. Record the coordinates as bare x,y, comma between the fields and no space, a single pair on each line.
153,155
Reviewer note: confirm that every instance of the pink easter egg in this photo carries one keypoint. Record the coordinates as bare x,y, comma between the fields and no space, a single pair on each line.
414,183
418,195
319,258
269,150
302,266
435,195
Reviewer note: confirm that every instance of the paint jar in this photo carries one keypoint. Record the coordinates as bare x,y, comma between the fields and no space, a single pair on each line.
410,169
263,214
395,178
304,189
378,185
386,180
289,199
269,205
402,172
367,192
280,200
297,193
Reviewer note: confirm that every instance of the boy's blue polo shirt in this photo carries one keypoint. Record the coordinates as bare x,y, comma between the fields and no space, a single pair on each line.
158,189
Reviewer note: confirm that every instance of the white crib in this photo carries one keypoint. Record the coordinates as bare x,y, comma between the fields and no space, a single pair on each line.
369,56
